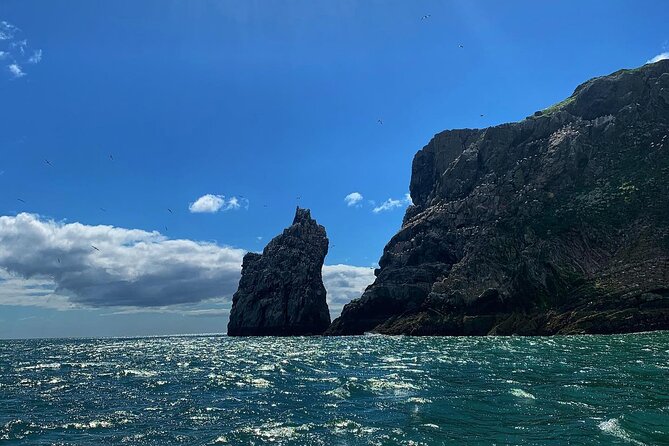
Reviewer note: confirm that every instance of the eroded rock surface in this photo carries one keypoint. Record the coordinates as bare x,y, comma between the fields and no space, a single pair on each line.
281,291
557,224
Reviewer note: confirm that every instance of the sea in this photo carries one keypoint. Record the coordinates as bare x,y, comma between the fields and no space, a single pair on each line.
365,390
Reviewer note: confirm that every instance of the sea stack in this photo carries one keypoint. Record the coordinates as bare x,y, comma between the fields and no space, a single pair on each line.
557,224
281,291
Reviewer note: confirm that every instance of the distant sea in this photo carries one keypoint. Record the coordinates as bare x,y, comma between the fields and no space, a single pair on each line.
368,390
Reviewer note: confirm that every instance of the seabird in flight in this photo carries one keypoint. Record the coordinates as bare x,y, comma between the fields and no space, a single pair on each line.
48,162
94,247
170,210
380,121
426,16
21,200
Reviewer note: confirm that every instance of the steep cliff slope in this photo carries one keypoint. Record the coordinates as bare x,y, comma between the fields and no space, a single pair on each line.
281,292
555,224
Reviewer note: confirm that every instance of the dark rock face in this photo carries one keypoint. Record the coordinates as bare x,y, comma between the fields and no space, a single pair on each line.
557,224
281,292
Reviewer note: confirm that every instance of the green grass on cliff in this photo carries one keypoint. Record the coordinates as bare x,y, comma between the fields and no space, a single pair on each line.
557,107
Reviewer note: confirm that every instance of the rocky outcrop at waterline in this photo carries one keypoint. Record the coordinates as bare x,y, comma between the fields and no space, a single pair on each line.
281,291
557,224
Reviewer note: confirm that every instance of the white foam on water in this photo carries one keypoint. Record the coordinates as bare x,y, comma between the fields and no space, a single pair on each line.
139,373
419,400
274,432
390,382
612,427
520,393
52,366
260,383
350,426
95,424
339,392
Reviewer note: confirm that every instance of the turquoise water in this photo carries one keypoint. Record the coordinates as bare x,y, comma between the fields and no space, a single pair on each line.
370,390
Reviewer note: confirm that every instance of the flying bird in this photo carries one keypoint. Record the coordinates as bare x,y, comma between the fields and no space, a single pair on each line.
94,247
58,260
21,200
103,209
170,210
111,157
380,121
48,162
481,114
426,16
461,46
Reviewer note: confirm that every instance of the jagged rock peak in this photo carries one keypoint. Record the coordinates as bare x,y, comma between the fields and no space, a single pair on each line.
302,215
281,291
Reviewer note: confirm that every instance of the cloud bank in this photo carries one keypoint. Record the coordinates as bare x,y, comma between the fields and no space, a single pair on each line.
53,264
211,204
344,283
132,267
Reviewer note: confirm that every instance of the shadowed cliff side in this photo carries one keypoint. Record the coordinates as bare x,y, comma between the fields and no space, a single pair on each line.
556,224
281,292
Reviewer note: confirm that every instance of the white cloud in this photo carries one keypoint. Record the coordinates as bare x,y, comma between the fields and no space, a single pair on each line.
54,265
659,57
217,307
344,283
36,57
392,203
16,290
353,199
207,203
16,70
15,51
7,30
213,203
132,267
387,205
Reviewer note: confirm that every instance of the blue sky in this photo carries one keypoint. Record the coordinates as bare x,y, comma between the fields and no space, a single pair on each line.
255,103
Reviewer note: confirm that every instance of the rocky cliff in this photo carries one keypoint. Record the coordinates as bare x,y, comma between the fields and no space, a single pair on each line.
281,292
557,224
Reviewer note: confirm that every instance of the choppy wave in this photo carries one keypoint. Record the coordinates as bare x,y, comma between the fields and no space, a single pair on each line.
364,390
